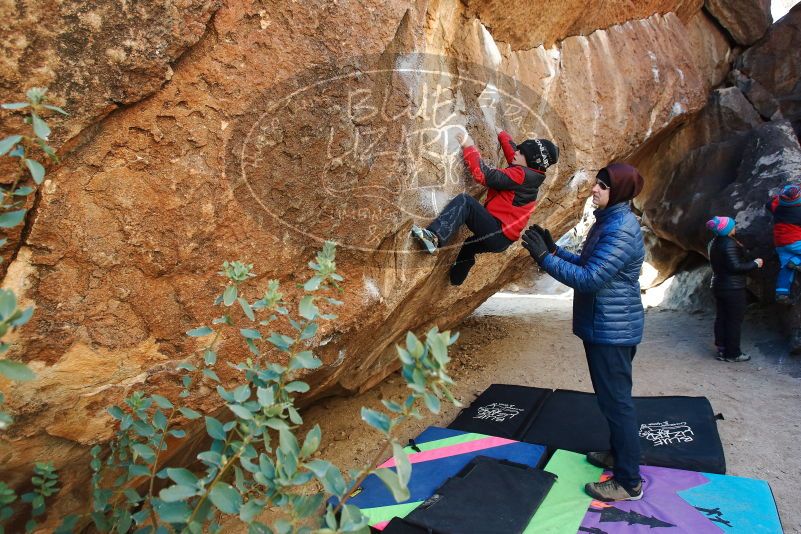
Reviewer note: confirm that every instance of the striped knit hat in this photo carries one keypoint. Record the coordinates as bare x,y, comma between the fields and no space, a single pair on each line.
790,196
721,225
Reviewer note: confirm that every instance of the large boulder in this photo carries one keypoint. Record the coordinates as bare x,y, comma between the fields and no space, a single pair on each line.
729,158
745,20
282,127
775,64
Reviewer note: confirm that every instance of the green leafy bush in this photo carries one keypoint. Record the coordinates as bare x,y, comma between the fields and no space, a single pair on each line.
29,174
255,459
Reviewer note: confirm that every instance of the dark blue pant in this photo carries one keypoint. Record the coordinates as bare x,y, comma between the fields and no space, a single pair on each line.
487,233
730,306
610,372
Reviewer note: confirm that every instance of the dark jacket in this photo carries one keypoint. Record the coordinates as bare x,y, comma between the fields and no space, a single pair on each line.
728,265
512,191
607,308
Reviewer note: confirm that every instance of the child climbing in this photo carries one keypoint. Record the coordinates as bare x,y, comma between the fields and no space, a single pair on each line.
511,198
786,210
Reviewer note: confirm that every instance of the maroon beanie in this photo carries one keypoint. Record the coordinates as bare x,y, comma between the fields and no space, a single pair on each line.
624,182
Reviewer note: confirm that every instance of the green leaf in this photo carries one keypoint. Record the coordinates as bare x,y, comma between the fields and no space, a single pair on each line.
200,331
266,396
16,371
309,331
243,303
313,284
312,441
7,143
402,464
23,318
55,108
297,387
240,411
250,510
288,443
215,428
37,171
250,333
307,308
14,105
304,360
225,498
209,357
11,219
211,374
160,420
432,402
182,476
40,127
189,413
377,420
162,402
177,493
333,482
142,450
174,512
229,295
8,303
281,341
392,482
23,191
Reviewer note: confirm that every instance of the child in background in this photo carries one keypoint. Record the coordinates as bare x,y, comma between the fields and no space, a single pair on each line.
786,210
511,198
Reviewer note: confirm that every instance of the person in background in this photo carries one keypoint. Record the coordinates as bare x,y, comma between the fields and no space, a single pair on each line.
608,316
786,210
728,286
511,198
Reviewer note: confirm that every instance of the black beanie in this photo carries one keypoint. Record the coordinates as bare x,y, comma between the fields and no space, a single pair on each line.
539,153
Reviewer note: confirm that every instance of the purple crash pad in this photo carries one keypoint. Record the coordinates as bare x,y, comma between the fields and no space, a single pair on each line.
687,501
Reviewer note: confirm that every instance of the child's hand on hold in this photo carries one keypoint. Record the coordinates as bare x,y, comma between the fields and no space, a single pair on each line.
464,139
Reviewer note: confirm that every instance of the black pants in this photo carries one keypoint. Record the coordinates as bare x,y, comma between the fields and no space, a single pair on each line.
729,320
610,372
487,233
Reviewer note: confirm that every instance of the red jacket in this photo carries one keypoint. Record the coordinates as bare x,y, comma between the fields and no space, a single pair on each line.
512,192
786,222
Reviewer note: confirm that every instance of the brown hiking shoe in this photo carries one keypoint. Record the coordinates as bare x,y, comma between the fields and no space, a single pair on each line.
610,491
603,459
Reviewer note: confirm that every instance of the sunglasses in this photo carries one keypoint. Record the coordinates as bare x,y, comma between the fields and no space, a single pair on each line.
602,185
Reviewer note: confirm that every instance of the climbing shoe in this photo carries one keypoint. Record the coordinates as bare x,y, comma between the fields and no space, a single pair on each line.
741,358
459,271
794,266
602,459
426,237
610,491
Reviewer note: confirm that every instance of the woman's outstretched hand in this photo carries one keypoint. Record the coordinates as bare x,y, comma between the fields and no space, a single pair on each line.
759,262
546,236
534,243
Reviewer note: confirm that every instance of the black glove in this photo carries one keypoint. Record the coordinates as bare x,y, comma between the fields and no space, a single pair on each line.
533,242
546,236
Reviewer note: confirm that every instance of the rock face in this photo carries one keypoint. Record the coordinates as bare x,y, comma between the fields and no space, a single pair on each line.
525,26
282,127
745,20
769,65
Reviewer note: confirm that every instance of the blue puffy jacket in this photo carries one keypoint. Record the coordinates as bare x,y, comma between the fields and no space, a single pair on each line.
607,308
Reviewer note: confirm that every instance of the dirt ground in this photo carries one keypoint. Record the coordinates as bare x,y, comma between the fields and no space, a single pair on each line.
526,339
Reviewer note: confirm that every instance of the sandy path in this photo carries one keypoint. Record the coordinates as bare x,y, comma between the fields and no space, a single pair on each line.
526,340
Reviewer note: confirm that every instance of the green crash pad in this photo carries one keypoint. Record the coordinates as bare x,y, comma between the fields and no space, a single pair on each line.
566,504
